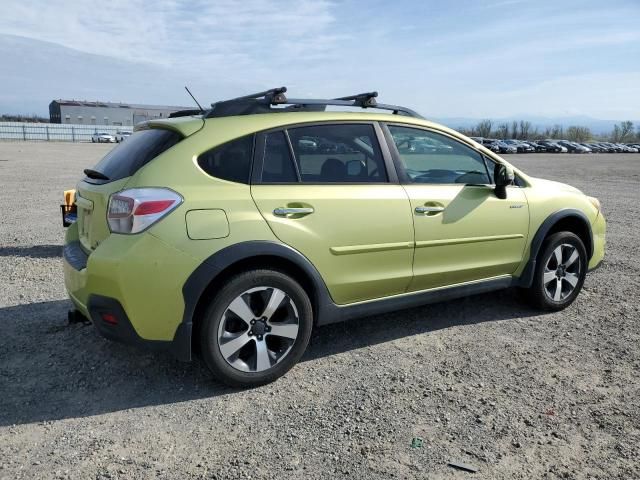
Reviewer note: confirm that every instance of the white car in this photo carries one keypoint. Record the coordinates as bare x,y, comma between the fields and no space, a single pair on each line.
121,136
102,137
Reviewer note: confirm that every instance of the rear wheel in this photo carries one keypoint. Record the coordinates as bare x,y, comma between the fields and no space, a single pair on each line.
560,272
256,328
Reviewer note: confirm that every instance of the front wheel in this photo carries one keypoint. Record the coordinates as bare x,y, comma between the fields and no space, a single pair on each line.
560,272
256,328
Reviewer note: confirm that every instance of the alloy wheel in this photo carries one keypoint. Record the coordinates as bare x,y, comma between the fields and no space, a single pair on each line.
258,329
562,272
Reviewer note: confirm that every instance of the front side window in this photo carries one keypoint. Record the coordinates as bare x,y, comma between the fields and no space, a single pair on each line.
230,161
339,153
429,157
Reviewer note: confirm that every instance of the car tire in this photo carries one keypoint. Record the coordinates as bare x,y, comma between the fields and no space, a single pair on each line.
237,339
561,268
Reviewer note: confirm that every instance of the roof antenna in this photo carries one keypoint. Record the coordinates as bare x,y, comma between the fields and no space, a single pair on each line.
194,98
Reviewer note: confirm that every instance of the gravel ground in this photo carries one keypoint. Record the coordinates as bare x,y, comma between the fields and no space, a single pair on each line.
485,380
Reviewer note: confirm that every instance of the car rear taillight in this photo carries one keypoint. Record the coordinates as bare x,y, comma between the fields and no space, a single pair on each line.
136,209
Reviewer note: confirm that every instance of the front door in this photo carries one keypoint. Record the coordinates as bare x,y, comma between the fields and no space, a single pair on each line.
463,232
325,191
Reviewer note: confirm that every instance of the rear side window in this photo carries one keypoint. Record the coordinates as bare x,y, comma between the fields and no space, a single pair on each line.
278,164
230,161
130,156
340,153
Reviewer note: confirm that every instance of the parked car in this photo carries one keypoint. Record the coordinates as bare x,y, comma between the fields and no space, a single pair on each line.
595,148
609,147
537,147
521,147
122,135
102,137
552,146
573,147
505,148
625,148
216,232
492,144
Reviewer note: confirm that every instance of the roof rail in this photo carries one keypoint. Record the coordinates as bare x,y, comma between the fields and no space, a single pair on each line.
262,102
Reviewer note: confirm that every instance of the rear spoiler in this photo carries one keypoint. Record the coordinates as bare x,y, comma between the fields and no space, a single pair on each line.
185,113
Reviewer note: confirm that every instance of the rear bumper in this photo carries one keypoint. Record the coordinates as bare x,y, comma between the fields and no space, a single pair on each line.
120,329
136,279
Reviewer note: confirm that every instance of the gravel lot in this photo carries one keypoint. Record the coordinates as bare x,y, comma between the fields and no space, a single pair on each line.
486,380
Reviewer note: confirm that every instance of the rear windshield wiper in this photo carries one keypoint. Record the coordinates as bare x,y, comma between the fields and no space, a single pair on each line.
96,175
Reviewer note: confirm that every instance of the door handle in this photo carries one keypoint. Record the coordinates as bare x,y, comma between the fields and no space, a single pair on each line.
285,211
429,209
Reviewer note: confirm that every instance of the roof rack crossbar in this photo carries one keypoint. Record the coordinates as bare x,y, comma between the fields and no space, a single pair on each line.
262,102
274,95
364,100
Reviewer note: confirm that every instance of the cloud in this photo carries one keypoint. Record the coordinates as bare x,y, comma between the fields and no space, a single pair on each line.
442,59
177,33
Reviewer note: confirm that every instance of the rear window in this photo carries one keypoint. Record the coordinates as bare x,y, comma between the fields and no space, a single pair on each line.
130,156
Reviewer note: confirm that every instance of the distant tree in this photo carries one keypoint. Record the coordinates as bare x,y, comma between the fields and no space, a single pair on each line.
483,129
469,132
514,129
535,134
33,118
502,131
525,128
621,131
554,132
578,134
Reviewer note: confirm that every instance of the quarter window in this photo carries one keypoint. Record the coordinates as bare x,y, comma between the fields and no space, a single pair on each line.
339,153
429,157
230,161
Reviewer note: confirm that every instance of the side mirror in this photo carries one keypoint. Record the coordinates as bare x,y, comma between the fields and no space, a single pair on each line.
503,176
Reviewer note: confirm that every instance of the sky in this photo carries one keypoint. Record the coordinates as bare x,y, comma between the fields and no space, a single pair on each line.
472,59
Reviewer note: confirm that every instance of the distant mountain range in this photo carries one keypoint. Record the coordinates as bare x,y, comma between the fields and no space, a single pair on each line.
596,125
34,72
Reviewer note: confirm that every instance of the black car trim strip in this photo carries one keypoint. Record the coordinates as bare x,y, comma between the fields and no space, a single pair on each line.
326,310
75,256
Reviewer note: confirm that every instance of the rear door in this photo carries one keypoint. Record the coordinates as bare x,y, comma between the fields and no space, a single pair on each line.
463,232
326,191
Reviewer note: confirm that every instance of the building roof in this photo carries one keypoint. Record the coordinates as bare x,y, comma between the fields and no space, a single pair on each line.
97,103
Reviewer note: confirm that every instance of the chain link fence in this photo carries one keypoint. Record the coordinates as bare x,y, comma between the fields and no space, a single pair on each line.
53,132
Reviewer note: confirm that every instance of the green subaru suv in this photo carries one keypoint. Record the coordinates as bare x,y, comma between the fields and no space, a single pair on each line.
233,232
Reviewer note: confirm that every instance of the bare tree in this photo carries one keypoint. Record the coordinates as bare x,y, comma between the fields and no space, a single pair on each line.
514,129
535,134
621,131
578,134
525,127
502,131
555,132
483,129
